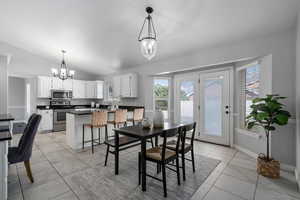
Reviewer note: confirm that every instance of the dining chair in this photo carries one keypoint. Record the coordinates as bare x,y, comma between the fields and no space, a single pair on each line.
163,157
186,145
22,153
99,120
138,114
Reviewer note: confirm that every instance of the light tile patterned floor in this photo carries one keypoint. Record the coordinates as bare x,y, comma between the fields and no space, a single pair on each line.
235,178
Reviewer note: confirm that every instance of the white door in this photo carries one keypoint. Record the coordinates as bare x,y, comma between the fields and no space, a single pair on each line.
214,107
186,98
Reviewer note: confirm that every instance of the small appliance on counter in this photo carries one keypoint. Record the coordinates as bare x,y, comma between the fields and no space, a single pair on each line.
92,104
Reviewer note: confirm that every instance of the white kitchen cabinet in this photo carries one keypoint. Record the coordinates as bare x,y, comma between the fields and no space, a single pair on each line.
99,89
44,85
57,84
67,84
129,85
78,89
116,86
90,89
46,123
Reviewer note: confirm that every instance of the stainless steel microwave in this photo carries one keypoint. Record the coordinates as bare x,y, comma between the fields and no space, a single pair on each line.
61,94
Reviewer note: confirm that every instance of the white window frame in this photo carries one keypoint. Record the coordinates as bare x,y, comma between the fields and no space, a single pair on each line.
242,106
169,94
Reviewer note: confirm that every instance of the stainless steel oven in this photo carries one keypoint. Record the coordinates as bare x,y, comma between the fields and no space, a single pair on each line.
60,109
61,94
59,119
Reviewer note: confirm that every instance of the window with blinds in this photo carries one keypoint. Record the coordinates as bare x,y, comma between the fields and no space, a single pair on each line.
249,82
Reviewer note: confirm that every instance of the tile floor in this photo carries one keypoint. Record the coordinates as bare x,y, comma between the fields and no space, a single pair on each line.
235,178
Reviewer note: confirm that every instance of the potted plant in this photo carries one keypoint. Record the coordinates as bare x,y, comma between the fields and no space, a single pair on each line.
267,113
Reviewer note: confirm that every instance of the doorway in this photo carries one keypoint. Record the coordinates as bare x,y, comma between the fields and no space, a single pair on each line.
205,98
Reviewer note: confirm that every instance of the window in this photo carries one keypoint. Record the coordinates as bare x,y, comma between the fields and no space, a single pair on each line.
249,76
161,92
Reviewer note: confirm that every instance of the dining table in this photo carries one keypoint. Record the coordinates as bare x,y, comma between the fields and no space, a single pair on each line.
142,134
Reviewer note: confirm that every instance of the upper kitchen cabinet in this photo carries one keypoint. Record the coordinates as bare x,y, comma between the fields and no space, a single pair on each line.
67,84
129,85
44,86
99,89
78,89
57,84
116,86
90,89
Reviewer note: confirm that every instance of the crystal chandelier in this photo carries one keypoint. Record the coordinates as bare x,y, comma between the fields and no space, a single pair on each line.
63,73
147,38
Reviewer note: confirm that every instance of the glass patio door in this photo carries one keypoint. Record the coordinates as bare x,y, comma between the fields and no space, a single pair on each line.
214,107
186,98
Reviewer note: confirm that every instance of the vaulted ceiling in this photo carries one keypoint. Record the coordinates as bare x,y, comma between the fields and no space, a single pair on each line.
100,36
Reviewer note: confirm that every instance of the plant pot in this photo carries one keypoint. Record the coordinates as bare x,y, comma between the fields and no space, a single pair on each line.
268,168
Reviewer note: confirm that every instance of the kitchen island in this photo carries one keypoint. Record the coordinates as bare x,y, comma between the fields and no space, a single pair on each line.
74,126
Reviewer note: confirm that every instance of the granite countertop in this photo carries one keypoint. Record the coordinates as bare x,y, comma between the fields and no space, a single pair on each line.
85,112
6,117
102,106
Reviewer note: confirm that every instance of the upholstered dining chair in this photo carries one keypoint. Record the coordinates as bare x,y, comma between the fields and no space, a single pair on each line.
22,152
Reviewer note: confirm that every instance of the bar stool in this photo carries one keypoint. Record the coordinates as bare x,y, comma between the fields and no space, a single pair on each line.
99,120
138,114
120,118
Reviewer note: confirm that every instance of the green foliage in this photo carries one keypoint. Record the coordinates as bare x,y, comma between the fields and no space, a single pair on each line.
161,91
267,112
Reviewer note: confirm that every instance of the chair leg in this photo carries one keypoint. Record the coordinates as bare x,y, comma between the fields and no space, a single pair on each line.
28,170
183,166
164,179
193,159
99,131
92,132
82,136
139,163
106,156
152,144
178,170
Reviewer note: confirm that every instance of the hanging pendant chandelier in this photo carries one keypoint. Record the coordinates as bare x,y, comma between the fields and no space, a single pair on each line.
63,73
147,36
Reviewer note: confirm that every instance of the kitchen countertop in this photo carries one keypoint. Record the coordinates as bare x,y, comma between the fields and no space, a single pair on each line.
102,106
6,117
5,135
86,112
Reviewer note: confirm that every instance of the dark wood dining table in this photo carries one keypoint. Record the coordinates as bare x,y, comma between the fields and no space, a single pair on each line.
143,134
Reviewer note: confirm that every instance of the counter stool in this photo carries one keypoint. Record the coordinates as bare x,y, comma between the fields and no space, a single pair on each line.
120,118
138,114
99,120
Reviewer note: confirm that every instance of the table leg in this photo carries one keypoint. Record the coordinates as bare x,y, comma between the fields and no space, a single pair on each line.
143,160
116,152
158,167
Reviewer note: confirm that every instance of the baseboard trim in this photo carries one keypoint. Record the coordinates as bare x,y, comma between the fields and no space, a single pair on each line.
283,166
246,151
297,178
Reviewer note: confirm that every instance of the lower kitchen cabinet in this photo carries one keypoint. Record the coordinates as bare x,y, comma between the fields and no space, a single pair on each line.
46,123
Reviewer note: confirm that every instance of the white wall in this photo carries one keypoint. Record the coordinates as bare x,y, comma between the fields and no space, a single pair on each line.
16,97
3,84
282,48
